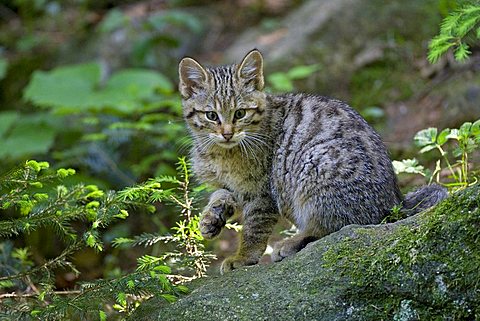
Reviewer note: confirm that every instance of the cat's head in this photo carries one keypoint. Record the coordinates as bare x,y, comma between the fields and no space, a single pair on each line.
224,106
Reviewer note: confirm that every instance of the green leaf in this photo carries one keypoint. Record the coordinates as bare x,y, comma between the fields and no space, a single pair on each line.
466,25
25,140
464,130
453,134
77,88
438,46
121,240
3,67
408,166
163,269
126,88
475,130
280,81
113,20
462,52
182,289
300,72
427,148
68,86
7,119
443,136
449,23
122,215
426,137
169,297
64,172
40,196
122,298
373,112
102,316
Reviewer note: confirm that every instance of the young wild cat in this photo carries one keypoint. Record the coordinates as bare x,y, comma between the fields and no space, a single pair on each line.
311,159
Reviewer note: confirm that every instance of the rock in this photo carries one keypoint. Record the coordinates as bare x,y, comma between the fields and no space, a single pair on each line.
425,267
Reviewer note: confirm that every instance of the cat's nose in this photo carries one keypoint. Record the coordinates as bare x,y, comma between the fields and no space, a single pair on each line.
227,136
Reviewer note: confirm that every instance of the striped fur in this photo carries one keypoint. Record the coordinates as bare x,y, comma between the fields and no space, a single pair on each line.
310,159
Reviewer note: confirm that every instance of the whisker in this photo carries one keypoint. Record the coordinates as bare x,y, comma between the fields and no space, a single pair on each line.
250,146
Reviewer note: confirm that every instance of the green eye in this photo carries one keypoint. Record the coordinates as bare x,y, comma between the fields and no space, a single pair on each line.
211,115
240,113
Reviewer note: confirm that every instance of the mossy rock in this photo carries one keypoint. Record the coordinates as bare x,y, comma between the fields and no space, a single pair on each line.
426,267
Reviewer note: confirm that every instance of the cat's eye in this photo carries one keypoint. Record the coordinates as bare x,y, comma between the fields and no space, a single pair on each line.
240,113
211,115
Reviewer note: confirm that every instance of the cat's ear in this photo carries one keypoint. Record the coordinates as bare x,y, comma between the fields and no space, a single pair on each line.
251,69
193,77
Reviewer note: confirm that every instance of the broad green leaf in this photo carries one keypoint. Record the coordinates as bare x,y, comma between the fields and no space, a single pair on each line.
408,166
280,81
69,86
442,137
301,72
427,148
3,67
139,82
7,118
475,130
26,139
464,130
77,88
113,20
453,134
426,137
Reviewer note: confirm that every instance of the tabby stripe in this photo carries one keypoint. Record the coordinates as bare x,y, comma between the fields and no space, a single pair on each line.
297,119
190,114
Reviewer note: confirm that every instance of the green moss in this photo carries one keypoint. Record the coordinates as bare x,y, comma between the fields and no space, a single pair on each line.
425,267
430,270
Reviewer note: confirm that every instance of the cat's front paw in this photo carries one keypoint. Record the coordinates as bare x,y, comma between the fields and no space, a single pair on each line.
288,247
235,262
212,220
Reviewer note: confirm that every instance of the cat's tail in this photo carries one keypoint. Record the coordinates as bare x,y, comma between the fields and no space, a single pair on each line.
423,198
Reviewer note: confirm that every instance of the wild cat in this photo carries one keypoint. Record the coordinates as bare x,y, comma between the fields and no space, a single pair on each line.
310,159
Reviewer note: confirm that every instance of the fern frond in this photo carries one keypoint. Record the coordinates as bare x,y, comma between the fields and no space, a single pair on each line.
145,239
453,29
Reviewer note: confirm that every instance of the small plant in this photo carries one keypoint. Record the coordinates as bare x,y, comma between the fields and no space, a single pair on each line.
457,143
454,30
190,257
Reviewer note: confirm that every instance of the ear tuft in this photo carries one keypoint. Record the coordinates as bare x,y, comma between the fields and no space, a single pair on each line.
193,77
251,69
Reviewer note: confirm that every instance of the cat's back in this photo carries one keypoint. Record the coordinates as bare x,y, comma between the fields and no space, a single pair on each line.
325,148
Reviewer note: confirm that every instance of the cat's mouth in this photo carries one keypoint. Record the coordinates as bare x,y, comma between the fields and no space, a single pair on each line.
227,144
